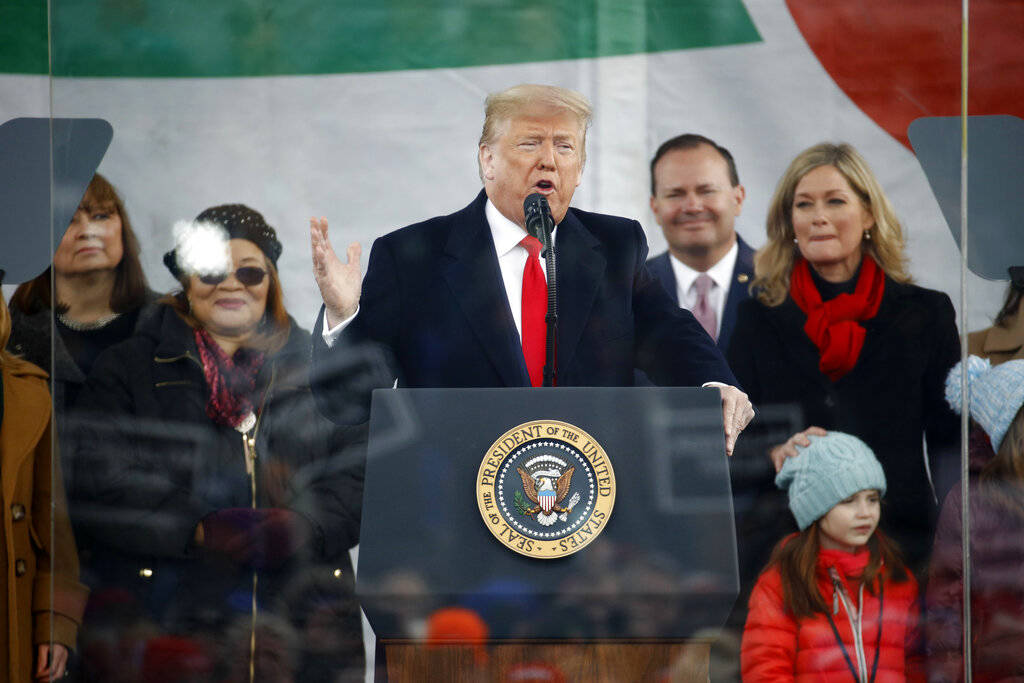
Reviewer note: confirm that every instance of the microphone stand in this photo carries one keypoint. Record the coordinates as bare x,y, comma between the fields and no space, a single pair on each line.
541,224
551,352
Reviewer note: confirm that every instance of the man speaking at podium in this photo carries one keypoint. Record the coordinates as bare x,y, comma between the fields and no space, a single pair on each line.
460,300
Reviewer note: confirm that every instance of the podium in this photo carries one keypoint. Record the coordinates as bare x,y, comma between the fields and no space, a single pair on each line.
464,574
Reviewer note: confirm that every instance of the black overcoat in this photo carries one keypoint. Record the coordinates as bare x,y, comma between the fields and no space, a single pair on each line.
157,465
434,302
893,399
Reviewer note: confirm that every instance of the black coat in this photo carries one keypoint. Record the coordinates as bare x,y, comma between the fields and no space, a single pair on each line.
32,338
891,399
433,300
157,465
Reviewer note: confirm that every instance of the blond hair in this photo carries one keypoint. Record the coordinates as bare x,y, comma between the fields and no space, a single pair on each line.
501,107
773,263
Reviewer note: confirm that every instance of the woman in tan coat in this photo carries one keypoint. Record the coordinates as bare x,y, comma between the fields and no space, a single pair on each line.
41,600
1005,339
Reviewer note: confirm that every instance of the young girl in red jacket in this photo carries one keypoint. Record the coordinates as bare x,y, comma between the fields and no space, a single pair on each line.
836,602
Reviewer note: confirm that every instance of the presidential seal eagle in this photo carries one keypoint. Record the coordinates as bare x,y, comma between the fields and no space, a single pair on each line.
547,493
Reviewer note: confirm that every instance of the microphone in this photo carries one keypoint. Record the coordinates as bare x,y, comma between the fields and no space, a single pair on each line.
539,222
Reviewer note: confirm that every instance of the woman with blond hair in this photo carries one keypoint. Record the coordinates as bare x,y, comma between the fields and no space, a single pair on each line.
838,330
41,600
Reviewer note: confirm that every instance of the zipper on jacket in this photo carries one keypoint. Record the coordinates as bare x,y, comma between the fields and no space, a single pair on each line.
248,429
855,617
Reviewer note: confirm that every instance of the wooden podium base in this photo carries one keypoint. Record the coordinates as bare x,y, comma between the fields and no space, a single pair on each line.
500,661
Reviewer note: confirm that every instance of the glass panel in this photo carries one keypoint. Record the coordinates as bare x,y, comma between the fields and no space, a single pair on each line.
42,597
221,553
974,580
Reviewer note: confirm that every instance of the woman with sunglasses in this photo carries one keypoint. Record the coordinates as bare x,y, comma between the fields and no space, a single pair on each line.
215,479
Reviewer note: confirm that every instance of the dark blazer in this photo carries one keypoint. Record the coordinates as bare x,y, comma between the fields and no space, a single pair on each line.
739,290
143,410
433,301
893,396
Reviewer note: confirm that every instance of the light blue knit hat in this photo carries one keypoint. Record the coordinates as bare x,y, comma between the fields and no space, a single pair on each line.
830,470
995,394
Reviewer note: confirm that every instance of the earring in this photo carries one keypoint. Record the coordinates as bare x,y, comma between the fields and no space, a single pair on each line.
867,234
794,241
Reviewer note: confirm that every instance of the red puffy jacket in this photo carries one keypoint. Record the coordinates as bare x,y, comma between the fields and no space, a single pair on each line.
778,647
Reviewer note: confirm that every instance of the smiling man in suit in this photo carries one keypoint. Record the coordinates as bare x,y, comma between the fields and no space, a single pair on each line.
696,196
459,300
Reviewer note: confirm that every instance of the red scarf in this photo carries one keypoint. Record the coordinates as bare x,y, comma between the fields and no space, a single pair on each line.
849,565
834,325
232,380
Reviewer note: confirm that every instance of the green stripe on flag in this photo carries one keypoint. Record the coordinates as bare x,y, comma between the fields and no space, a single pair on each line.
23,44
193,38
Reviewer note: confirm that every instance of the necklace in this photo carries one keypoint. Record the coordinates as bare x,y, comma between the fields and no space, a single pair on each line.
78,326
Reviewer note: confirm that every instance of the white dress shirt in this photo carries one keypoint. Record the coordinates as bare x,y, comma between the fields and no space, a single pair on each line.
506,236
721,277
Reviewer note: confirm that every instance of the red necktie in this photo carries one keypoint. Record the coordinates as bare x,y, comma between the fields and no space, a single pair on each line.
535,307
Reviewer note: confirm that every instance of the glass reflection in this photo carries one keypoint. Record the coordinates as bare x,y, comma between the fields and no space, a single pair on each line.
374,130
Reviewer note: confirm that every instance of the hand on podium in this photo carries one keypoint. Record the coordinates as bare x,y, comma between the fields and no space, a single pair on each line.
737,412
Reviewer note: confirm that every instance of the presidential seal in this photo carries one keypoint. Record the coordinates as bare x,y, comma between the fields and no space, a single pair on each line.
545,489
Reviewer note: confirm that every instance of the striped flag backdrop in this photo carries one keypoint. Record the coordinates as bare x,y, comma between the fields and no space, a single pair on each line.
369,113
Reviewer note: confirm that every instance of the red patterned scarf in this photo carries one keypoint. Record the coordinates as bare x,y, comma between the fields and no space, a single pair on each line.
834,325
232,380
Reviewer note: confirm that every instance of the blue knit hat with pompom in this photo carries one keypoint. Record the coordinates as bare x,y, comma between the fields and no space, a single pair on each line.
995,394
830,470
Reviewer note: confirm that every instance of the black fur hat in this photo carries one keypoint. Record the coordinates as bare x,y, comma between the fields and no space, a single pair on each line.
240,222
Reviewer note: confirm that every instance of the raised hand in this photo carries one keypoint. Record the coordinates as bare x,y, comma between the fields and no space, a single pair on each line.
340,282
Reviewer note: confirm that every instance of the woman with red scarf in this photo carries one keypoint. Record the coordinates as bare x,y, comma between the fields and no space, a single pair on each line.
838,331
213,482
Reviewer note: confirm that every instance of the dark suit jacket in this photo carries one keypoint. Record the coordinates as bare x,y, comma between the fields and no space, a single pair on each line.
434,303
893,396
739,289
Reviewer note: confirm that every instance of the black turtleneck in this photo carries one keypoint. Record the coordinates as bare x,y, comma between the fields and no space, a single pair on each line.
830,290
86,345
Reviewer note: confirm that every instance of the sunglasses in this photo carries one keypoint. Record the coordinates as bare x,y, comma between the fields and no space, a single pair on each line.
247,275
